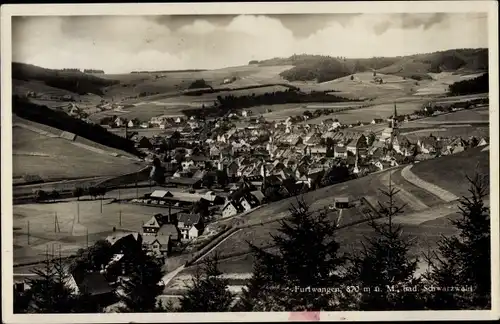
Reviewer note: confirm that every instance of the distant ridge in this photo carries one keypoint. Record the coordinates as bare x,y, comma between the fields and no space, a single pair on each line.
323,68
170,71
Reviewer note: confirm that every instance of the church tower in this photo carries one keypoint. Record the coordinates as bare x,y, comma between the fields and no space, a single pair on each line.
263,173
394,118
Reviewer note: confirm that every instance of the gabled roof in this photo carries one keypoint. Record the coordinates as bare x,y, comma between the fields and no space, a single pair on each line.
189,219
93,283
161,194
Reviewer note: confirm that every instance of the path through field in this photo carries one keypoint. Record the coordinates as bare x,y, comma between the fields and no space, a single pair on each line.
413,202
432,188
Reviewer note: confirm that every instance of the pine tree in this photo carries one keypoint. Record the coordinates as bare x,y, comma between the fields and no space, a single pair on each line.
307,258
384,265
463,260
49,289
208,291
142,287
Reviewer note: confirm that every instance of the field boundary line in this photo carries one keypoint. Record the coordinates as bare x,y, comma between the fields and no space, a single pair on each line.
432,188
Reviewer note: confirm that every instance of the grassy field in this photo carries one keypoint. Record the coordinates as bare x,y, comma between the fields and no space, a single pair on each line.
57,158
453,169
247,75
72,229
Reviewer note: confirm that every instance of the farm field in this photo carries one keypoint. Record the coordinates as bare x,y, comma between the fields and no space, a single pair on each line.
282,112
440,82
247,75
464,131
367,114
72,234
57,158
453,169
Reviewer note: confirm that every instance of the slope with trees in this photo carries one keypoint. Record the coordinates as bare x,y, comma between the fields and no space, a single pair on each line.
72,80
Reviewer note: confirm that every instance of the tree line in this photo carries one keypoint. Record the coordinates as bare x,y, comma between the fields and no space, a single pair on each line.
472,86
307,259
225,104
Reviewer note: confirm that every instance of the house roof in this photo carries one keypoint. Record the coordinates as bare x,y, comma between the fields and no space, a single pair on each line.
115,237
162,239
258,194
93,283
168,230
342,199
161,194
339,149
189,219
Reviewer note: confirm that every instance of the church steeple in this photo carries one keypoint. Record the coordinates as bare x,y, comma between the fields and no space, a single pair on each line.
394,117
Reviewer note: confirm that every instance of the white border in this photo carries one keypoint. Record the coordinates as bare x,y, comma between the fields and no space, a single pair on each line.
7,11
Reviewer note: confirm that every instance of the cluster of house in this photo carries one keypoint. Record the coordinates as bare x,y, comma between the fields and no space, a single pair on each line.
298,153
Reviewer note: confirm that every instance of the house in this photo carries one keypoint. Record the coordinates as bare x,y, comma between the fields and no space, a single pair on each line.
119,122
158,245
377,121
401,144
246,113
131,124
153,226
342,202
160,195
92,284
339,151
382,165
144,143
122,243
231,208
483,141
428,145
456,146
357,145
185,224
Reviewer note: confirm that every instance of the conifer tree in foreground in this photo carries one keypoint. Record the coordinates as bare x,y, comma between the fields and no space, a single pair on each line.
142,287
307,258
49,291
208,291
463,260
384,265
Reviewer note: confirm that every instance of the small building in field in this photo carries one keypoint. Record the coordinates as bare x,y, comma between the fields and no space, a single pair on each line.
342,202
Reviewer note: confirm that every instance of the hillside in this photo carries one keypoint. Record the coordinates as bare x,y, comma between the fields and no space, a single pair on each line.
62,121
449,172
324,68
76,82
38,151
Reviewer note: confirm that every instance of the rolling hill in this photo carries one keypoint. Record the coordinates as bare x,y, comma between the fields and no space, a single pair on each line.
324,68
76,82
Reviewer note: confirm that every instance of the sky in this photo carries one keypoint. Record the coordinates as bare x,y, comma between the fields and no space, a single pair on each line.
121,44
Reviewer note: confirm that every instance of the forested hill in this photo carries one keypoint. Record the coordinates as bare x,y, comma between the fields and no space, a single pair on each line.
325,68
74,81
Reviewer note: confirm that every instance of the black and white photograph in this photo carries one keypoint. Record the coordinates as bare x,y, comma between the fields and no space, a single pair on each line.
252,161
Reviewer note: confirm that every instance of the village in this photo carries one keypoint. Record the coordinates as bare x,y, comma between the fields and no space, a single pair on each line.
215,170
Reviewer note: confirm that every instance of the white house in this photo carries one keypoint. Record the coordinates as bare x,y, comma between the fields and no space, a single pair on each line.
230,209
193,232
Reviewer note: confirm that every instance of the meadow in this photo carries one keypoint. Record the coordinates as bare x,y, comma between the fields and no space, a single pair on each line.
453,170
57,158
74,220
